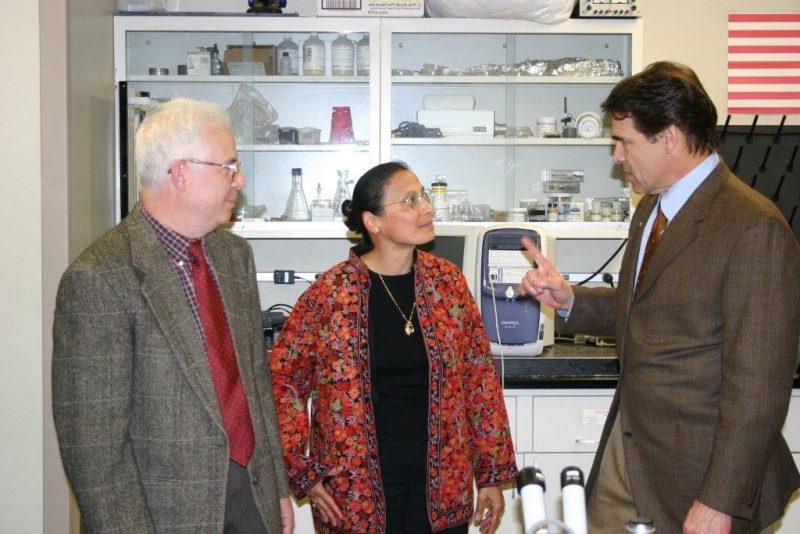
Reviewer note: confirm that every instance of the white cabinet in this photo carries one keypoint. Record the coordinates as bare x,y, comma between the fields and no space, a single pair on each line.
553,429
556,428
301,101
569,423
499,66
446,57
791,431
790,523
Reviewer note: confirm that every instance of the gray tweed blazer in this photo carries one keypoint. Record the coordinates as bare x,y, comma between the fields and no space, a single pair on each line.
139,428
707,351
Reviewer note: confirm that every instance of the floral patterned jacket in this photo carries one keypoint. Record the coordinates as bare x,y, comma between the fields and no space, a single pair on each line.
323,353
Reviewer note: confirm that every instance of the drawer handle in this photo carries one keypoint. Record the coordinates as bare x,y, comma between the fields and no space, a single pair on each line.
587,441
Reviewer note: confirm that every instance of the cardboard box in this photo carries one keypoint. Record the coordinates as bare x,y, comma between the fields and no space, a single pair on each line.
459,123
370,8
266,54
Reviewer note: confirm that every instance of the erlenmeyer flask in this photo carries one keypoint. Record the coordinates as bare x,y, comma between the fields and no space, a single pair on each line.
342,193
297,206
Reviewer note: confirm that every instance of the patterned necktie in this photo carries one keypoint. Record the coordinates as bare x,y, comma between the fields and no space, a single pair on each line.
659,225
222,359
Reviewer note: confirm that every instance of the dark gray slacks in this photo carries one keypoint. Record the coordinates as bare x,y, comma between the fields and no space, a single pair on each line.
241,513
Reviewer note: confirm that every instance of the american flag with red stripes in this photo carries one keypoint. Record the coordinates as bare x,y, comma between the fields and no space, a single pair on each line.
764,63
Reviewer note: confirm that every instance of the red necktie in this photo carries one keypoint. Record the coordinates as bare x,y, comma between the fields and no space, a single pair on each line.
659,225
222,359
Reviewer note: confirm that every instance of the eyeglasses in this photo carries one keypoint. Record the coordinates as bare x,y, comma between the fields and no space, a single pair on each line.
233,169
412,200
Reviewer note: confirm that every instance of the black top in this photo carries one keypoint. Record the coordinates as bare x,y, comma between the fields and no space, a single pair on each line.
399,363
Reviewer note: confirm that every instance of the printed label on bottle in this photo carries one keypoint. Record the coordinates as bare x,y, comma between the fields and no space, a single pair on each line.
342,60
363,60
314,60
292,63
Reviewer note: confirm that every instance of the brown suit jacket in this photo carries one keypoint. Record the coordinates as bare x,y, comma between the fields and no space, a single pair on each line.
707,350
139,427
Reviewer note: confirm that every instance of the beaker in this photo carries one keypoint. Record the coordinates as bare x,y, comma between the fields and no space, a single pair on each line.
341,125
297,206
342,193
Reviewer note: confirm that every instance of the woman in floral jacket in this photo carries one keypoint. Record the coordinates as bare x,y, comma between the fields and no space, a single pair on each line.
407,408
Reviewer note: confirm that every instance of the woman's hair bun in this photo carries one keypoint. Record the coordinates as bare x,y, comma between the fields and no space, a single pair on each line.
347,207
347,211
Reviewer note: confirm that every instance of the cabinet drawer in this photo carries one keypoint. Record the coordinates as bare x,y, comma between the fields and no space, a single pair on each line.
568,424
790,523
791,428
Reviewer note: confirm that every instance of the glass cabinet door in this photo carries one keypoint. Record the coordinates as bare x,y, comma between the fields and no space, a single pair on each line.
482,109
316,112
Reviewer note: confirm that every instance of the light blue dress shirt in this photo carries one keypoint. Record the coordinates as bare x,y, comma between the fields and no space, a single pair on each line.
673,199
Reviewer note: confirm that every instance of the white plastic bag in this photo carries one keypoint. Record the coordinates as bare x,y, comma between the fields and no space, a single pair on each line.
544,11
251,114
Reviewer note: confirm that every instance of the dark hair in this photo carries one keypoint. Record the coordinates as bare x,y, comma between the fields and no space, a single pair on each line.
368,196
663,94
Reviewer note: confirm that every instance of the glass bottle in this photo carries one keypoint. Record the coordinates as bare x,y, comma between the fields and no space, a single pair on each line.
439,198
362,56
342,193
342,56
297,206
216,63
287,46
285,66
314,56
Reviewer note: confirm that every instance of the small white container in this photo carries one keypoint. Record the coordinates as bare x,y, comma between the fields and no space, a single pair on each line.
545,126
517,214
198,62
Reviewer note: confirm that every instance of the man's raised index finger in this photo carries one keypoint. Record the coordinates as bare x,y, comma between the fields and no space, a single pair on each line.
531,247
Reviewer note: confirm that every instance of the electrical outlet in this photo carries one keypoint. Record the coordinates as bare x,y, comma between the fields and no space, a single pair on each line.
283,277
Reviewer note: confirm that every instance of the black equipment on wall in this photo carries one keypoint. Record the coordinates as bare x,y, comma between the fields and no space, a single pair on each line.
765,158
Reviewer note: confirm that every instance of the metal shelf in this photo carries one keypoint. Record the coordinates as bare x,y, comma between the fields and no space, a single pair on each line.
258,229
250,79
502,80
327,147
502,141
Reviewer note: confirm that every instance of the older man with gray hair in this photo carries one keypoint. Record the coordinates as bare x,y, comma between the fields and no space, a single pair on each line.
161,393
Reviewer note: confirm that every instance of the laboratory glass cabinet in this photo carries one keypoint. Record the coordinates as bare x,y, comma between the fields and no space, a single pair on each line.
513,72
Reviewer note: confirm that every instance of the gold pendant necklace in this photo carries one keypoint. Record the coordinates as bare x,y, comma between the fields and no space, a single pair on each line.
409,328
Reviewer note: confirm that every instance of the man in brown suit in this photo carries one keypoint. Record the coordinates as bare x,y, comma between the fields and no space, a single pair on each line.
706,321
161,395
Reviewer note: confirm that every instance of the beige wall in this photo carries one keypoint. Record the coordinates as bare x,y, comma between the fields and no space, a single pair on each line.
20,270
77,98
695,32
53,24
